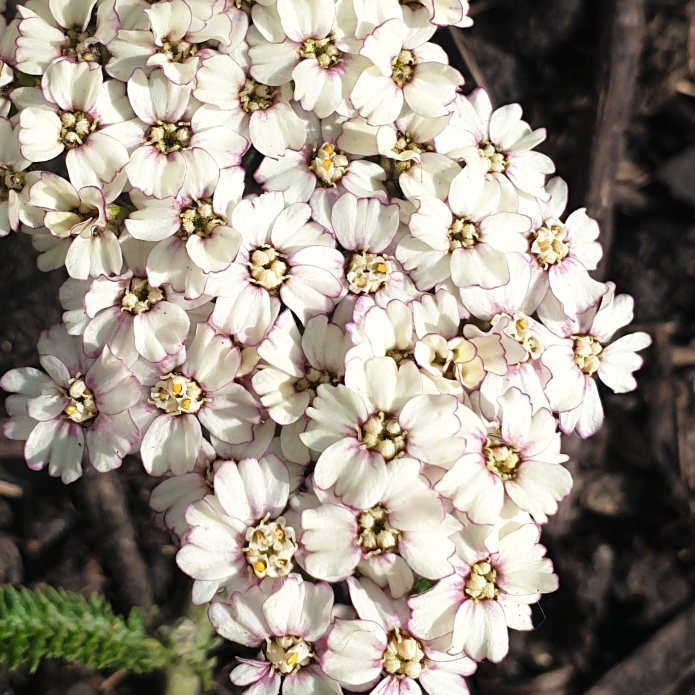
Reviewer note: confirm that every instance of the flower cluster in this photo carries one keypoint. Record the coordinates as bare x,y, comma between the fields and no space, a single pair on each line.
353,368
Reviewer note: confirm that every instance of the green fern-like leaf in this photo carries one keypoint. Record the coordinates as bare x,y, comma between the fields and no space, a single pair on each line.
52,623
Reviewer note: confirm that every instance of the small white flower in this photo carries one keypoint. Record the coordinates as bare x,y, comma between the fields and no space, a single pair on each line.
469,611
589,350
497,143
287,624
378,650
405,70
516,456
295,365
201,392
79,410
252,539
405,533
75,113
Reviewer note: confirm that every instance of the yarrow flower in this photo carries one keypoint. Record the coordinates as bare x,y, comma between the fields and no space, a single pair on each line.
330,300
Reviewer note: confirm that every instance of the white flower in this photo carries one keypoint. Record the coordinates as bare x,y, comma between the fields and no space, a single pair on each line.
75,114
496,142
167,133
136,320
562,252
80,409
192,232
243,516
466,239
282,253
448,12
376,416
50,29
518,456
309,51
405,533
405,70
377,650
588,350
260,113
295,365
83,222
287,623
200,392
320,172
469,611
173,40
15,182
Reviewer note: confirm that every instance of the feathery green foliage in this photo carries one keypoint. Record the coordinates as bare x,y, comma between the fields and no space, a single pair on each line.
53,623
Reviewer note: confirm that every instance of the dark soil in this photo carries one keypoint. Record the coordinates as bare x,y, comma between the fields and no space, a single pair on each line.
624,542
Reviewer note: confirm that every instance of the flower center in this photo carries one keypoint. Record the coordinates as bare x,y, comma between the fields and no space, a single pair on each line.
403,67
313,378
10,180
403,656
405,143
199,219
177,395
244,5
519,329
270,547
80,45
463,234
287,654
501,458
82,408
367,273
548,244
376,534
178,51
254,96
139,297
329,165
587,353
323,50
481,582
75,127
267,267
497,160
399,356
169,137
383,434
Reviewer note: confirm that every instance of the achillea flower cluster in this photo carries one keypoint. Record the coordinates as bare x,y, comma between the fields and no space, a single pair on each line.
354,370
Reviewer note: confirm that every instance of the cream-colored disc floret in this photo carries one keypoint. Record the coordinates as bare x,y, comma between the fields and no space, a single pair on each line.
267,267
519,328
80,44
367,273
481,583
170,137
255,96
199,219
329,165
288,654
548,244
177,395
403,656
270,547
10,180
497,159
178,51
313,378
376,535
383,434
75,127
323,50
140,297
82,408
587,353
501,458
403,67
463,234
